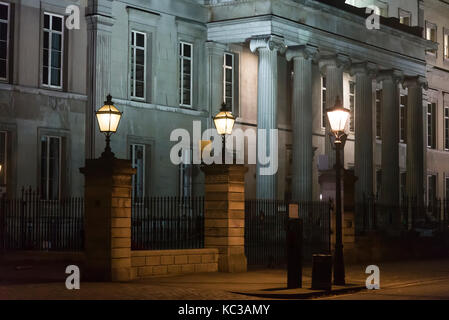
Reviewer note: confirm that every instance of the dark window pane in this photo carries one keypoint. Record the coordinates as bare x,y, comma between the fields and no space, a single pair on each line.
229,60
140,39
140,72
3,69
140,89
57,24
45,58
140,57
56,42
45,75
3,50
55,77
46,40
46,21
3,31
228,75
3,12
187,50
56,59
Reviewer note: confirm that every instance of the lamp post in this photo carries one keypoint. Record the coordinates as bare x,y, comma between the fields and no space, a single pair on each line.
224,123
338,117
108,118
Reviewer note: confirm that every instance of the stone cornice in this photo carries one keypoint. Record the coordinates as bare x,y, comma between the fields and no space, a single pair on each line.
368,68
392,74
337,60
270,42
415,81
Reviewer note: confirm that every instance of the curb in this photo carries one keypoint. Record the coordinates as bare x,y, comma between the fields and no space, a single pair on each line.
305,295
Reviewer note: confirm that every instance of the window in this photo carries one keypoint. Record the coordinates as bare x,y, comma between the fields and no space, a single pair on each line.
3,157
378,182
403,185
137,155
50,167
431,188
185,74
447,188
323,102
446,128
431,31
52,50
379,114
228,80
405,17
185,174
403,119
138,65
4,40
446,44
352,105
431,126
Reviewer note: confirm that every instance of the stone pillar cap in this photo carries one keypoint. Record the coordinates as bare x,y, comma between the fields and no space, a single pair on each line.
392,74
415,81
366,67
302,51
270,42
336,60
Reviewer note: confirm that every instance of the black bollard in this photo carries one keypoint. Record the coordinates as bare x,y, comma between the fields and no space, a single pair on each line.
294,254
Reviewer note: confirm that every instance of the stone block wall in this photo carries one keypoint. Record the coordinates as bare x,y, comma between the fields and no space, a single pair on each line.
147,263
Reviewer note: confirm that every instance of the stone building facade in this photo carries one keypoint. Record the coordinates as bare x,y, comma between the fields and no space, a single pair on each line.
277,63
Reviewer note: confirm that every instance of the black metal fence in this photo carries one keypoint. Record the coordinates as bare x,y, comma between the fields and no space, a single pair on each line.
160,223
408,215
30,223
266,227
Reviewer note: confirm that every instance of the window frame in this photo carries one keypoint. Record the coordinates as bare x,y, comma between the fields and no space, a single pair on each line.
133,49
8,40
4,170
430,26
323,119
48,136
403,118
405,14
132,156
352,107
49,85
446,127
445,44
378,112
226,67
431,114
446,187
181,75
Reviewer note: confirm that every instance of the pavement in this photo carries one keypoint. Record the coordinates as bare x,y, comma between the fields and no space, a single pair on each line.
47,281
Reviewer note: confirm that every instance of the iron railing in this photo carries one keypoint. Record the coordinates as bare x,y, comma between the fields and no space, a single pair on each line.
30,223
160,223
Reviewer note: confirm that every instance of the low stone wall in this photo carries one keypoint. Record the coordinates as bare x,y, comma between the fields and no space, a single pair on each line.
162,262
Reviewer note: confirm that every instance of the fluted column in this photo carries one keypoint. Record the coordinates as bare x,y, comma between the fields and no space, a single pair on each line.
416,148
302,148
99,32
390,136
332,67
363,73
267,91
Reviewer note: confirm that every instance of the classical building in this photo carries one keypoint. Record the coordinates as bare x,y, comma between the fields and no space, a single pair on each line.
277,63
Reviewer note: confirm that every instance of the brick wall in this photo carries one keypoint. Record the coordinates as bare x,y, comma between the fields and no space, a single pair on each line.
162,262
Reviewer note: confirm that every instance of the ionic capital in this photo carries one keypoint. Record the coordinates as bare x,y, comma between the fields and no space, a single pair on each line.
333,61
302,51
391,75
415,82
269,42
364,68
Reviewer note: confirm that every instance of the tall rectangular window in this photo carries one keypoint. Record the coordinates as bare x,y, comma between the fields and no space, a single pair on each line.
378,182
185,74
138,65
53,50
228,80
431,31
185,174
446,184
50,167
352,105
137,156
3,157
431,125
446,44
431,188
446,128
405,17
4,40
379,114
403,119
403,184
323,102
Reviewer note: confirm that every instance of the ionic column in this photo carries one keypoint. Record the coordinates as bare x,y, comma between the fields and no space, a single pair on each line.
363,73
215,53
416,148
267,91
332,67
302,148
390,136
99,32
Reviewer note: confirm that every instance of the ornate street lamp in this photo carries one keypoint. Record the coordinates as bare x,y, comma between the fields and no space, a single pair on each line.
224,123
108,117
338,118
